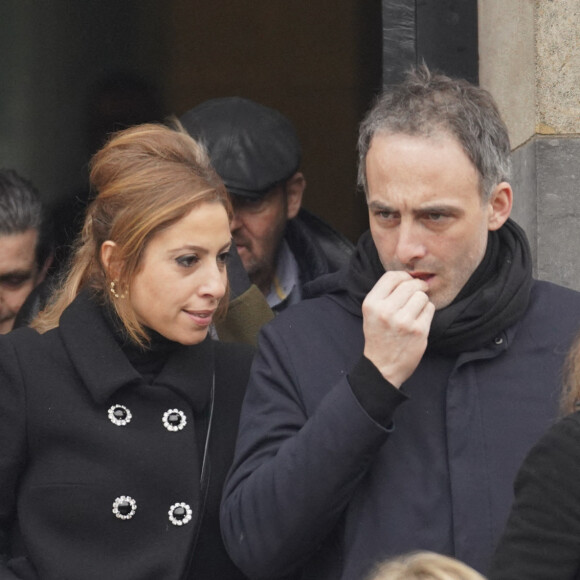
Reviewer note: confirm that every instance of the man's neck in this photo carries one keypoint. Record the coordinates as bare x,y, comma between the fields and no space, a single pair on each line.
263,280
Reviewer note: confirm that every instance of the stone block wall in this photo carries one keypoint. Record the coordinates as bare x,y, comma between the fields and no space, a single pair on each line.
530,61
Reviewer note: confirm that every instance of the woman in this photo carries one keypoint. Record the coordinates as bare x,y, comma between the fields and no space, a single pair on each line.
542,535
425,566
118,414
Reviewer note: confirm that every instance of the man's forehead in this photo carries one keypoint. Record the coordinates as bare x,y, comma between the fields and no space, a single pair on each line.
435,138
18,251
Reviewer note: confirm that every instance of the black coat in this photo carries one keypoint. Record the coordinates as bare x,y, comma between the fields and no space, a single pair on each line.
65,458
542,537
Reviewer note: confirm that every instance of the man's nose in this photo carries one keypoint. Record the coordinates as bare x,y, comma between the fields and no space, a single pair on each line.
236,222
410,243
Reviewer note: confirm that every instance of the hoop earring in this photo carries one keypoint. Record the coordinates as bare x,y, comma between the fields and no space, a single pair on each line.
114,291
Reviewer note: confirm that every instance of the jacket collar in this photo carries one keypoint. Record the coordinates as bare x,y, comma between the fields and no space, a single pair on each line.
104,368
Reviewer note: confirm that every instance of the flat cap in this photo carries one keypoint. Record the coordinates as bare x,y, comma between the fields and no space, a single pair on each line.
252,147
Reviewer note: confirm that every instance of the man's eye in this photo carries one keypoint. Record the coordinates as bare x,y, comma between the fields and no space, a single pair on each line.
386,215
187,261
436,216
249,204
14,282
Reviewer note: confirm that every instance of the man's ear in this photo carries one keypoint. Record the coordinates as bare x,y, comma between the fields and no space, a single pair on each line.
108,259
295,187
500,206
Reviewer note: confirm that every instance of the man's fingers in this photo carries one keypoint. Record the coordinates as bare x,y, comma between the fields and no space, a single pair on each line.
394,291
388,282
416,303
426,315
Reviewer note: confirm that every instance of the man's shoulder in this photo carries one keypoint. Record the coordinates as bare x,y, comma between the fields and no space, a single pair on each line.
311,308
325,313
309,234
554,296
553,309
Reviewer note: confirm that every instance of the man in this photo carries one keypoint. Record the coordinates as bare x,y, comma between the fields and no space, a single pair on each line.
390,413
256,152
25,244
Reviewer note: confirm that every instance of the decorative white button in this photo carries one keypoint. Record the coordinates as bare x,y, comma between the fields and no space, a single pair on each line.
124,507
180,514
120,415
174,420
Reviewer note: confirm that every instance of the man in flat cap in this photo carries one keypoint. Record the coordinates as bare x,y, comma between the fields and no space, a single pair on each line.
256,152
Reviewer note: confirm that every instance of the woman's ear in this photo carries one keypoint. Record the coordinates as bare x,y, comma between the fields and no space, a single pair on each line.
108,259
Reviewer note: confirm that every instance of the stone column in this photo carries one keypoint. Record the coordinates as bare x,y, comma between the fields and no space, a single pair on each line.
530,61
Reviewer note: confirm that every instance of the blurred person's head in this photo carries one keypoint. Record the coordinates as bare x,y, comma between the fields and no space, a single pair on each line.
26,247
424,566
255,150
155,239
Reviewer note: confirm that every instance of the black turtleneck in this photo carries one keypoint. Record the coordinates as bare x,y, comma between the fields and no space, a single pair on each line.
147,360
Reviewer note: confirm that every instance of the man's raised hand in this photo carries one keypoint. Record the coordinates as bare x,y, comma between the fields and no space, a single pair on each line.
397,315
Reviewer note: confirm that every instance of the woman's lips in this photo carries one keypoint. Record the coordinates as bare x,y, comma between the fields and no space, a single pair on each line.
201,317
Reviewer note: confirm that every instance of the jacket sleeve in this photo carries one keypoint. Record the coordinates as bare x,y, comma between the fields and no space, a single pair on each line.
12,448
293,472
245,316
542,536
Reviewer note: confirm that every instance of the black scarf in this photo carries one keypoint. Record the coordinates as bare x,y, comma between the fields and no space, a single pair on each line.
495,296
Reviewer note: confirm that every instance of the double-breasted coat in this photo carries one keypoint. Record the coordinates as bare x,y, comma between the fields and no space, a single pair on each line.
107,476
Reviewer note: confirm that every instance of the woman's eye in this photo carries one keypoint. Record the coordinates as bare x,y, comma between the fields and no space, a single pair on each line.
187,261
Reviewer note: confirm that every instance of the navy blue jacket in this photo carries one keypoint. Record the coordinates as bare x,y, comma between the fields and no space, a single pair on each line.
318,486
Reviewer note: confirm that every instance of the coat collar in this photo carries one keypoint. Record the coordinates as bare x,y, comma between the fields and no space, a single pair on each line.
104,368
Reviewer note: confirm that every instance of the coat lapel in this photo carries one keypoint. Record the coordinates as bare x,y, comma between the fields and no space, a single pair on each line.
104,368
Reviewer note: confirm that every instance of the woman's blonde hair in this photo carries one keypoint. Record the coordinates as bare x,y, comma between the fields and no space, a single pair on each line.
424,566
570,400
146,178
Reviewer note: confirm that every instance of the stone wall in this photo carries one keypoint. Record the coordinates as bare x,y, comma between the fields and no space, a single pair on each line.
530,61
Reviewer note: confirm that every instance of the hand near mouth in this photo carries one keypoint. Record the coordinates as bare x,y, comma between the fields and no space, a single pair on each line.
397,315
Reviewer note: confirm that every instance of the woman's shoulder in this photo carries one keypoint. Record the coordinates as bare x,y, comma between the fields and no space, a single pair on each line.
233,362
565,431
26,339
557,452
23,352
234,351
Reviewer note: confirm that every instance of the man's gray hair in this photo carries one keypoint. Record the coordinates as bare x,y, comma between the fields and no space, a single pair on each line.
21,209
425,104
